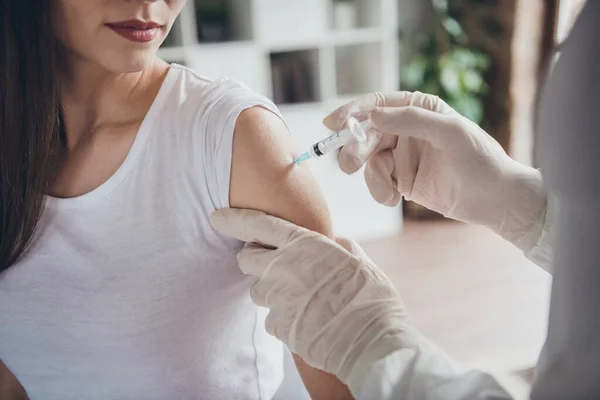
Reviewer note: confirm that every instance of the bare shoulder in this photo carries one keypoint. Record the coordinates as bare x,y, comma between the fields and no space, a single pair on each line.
264,177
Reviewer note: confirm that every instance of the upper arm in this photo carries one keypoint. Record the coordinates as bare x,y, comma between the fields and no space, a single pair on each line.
10,388
264,178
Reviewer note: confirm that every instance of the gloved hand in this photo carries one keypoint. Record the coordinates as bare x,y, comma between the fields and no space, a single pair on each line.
328,302
422,149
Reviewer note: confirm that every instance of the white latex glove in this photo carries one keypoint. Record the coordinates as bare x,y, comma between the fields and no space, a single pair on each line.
335,309
422,149
327,301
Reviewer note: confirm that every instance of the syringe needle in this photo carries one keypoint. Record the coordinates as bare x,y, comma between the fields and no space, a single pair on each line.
302,157
355,132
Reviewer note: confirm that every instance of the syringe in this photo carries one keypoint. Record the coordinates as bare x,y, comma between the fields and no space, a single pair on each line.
356,131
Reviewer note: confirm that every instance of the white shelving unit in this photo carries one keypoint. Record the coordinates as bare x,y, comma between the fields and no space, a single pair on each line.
301,55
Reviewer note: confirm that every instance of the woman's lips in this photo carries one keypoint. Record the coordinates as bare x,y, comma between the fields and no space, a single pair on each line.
136,31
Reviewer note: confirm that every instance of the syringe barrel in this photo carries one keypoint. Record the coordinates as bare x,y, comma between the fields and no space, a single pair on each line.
355,132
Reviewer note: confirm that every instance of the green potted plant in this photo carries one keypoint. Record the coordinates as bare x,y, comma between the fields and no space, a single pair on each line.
445,65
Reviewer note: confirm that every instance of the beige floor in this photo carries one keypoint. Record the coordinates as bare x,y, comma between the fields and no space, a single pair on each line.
469,291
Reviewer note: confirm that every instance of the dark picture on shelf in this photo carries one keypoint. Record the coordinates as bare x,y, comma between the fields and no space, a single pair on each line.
293,80
212,18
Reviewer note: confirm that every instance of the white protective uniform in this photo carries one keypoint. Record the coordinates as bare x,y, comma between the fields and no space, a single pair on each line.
569,367
333,307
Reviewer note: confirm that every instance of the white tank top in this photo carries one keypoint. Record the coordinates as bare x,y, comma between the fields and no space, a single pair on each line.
127,292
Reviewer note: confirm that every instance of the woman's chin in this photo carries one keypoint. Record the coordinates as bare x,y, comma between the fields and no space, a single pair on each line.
130,63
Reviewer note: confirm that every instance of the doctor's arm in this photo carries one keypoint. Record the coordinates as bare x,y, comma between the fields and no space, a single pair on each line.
264,178
423,150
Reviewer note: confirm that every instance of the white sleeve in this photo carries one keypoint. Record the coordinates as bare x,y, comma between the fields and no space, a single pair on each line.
568,144
542,253
422,373
226,101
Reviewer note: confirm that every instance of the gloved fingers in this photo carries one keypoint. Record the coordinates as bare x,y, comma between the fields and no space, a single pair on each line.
437,129
258,293
407,157
253,259
254,226
348,244
379,175
274,293
353,247
430,102
361,107
279,324
353,155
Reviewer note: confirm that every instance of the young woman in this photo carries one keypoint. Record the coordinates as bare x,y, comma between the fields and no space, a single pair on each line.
113,284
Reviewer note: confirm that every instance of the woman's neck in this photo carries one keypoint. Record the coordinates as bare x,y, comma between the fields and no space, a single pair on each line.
93,97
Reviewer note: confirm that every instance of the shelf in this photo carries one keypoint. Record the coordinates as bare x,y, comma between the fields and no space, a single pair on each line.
356,70
352,14
295,76
293,45
283,21
357,36
334,38
231,45
220,21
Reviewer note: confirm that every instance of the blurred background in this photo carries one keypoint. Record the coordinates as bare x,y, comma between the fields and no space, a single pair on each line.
473,294
485,58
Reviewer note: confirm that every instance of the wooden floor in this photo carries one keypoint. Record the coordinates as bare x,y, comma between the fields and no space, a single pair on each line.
469,291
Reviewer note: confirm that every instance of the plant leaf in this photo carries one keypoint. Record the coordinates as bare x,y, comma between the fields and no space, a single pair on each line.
470,107
471,81
452,27
440,6
450,79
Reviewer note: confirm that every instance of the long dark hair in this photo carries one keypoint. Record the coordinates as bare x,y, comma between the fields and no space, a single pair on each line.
30,128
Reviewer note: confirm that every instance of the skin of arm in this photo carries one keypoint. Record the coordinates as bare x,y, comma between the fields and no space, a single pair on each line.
10,388
264,178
